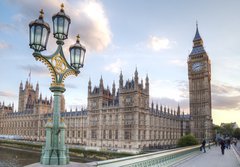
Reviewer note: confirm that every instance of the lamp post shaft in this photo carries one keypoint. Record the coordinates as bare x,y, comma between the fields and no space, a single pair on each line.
54,151
56,119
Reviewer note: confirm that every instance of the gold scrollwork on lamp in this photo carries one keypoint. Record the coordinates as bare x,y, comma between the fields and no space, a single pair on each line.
59,64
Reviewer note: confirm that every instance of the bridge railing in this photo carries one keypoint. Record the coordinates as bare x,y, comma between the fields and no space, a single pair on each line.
156,159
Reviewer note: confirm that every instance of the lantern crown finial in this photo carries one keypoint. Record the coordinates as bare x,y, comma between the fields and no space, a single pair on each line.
41,14
62,7
78,38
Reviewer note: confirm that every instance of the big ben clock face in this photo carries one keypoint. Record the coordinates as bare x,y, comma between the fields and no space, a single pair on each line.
197,66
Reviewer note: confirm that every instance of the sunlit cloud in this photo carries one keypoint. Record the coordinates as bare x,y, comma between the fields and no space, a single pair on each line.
4,45
158,43
165,88
225,97
115,67
7,94
88,18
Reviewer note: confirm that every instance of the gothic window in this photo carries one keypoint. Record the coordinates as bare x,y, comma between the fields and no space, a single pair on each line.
104,134
94,134
110,134
127,135
116,134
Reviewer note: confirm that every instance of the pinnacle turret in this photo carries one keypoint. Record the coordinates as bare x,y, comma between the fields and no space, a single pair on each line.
121,80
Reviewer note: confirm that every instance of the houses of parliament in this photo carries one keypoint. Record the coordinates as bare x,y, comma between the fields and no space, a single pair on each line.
120,118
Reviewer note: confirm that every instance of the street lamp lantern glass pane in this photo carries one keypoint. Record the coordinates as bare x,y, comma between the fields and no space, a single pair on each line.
38,35
55,25
60,25
82,57
77,57
32,35
44,36
66,23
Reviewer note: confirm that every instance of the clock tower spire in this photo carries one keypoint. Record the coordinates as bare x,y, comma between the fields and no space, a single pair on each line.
199,75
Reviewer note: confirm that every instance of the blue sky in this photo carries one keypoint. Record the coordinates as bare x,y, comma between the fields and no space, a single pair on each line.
155,36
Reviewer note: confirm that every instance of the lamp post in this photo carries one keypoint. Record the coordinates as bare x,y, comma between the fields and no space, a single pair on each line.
55,151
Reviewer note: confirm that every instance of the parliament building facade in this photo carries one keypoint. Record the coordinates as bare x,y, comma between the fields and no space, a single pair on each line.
120,118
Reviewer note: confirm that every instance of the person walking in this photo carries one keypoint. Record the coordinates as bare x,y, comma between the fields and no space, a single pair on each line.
222,144
203,145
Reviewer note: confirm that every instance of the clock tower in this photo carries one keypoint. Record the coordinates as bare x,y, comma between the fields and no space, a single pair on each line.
199,75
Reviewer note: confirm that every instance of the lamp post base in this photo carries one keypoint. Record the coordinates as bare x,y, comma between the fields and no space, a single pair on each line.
55,157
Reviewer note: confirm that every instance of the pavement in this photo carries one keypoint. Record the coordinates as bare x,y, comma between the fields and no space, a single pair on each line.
213,158
71,164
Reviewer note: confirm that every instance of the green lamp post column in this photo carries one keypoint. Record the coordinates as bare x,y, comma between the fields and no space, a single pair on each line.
55,151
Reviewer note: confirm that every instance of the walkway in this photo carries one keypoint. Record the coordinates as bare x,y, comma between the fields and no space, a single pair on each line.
213,158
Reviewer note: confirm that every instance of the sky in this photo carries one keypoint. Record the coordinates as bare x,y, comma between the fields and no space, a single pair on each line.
154,36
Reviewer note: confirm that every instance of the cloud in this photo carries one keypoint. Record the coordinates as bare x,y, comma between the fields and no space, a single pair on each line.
35,69
4,45
6,27
171,103
72,86
115,67
170,89
88,18
225,97
158,43
225,89
226,102
7,94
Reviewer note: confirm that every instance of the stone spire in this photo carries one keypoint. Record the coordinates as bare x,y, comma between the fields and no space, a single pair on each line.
37,87
21,86
136,78
121,81
101,83
89,86
147,83
113,88
178,110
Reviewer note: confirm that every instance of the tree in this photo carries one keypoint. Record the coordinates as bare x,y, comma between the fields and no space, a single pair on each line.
227,129
187,140
236,133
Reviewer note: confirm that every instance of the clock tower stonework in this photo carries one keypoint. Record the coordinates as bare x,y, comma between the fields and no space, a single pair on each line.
199,75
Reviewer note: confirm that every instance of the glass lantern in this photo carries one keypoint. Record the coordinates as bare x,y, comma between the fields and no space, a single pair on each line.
77,54
39,33
61,23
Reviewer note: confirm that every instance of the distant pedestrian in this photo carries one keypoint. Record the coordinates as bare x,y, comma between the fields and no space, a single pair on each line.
209,146
203,145
229,143
222,144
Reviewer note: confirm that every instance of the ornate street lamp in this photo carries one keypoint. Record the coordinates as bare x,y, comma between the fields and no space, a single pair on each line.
55,151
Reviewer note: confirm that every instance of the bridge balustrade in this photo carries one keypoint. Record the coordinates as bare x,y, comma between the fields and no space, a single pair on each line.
156,159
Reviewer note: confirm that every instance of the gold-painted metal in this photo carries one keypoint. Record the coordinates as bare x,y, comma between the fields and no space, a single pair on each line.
59,64
50,67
